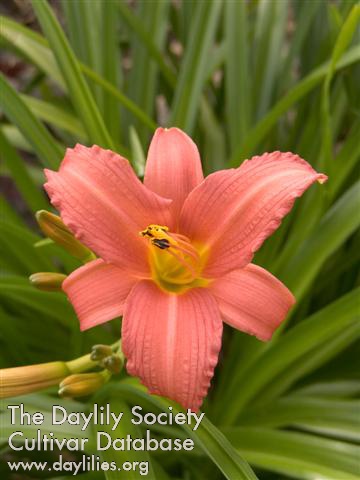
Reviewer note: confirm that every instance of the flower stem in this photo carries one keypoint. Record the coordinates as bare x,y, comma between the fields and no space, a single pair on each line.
31,378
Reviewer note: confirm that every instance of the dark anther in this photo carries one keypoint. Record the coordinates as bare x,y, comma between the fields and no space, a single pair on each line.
161,243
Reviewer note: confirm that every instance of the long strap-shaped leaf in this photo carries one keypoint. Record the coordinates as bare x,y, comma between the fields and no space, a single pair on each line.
79,91
211,441
125,427
55,115
195,63
138,28
299,341
25,184
97,35
258,133
35,48
342,43
331,389
143,93
341,417
270,25
237,78
309,212
308,363
31,45
295,454
49,152
18,242
336,226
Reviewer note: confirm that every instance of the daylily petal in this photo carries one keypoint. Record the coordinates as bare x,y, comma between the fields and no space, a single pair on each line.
252,300
98,292
173,166
172,341
105,205
233,211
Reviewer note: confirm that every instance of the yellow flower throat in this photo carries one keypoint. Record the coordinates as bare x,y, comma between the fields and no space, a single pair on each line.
175,263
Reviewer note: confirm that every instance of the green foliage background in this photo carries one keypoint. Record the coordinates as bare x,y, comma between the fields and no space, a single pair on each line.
241,78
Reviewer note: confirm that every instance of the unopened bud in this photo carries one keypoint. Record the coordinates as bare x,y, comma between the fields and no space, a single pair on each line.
81,384
114,363
48,281
21,380
54,228
99,352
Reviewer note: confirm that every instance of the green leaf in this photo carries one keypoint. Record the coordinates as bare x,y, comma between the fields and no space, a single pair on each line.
9,215
310,362
334,416
55,115
194,65
23,181
97,35
221,451
54,306
78,89
335,389
302,88
30,44
346,159
337,225
34,314
211,441
214,152
73,16
86,41
237,78
125,427
311,209
120,97
304,19
35,403
16,138
298,455
110,66
286,350
138,155
154,15
138,28
49,152
268,39
17,247
342,42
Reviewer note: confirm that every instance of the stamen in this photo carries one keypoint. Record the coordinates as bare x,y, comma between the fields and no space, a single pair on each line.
162,244
180,237
179,247
156,231
184,263
184,246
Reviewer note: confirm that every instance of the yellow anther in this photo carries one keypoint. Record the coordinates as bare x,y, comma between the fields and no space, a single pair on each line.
178,263
158,236
154,231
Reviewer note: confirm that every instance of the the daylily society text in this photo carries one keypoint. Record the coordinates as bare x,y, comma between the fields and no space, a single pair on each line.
101,415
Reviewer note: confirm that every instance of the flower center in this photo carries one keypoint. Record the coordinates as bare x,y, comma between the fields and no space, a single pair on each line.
175,263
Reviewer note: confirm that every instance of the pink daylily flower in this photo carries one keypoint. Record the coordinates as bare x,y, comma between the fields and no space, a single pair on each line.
175,252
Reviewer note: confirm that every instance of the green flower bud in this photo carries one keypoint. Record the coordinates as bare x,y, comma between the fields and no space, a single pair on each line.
99,352
82,384
48,281
54,228
21,380
113,363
